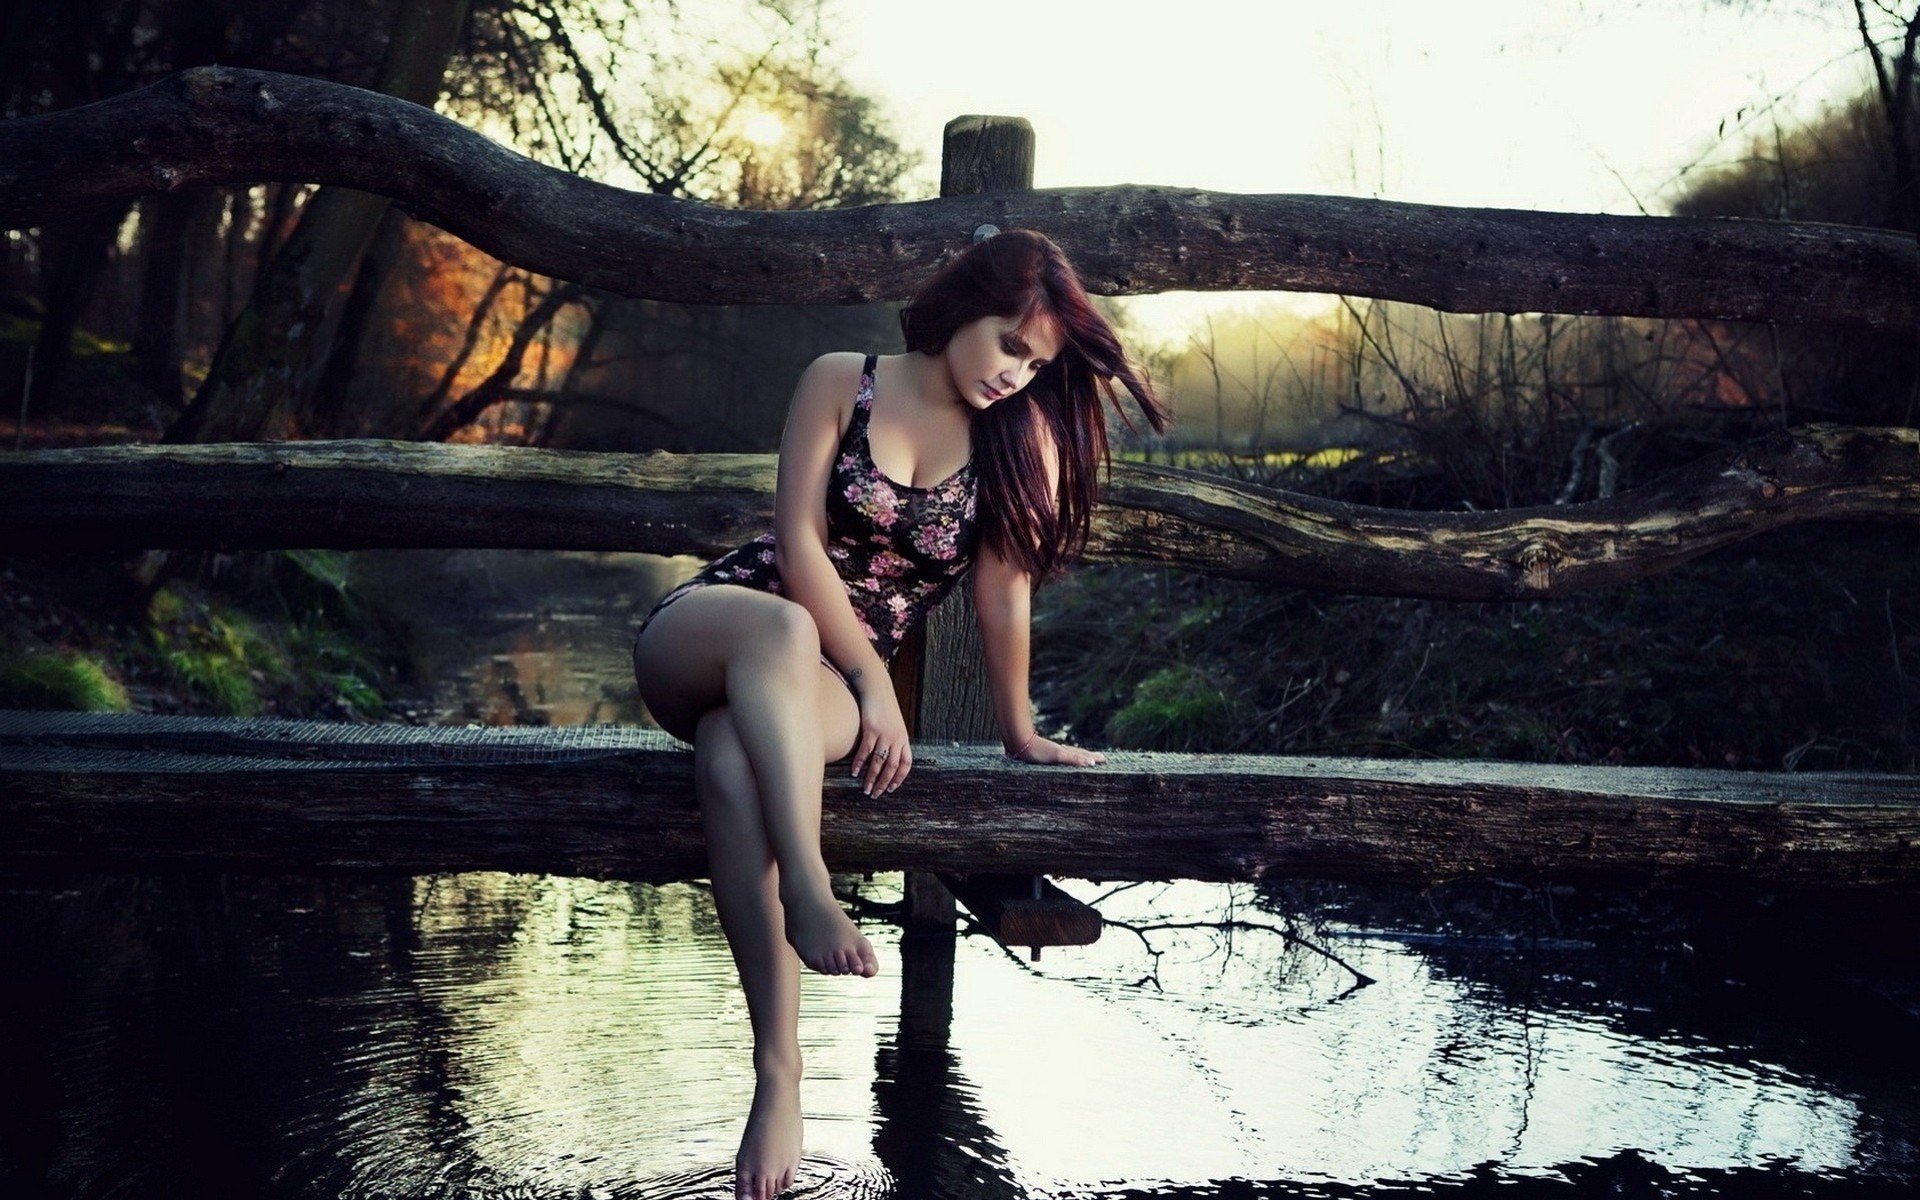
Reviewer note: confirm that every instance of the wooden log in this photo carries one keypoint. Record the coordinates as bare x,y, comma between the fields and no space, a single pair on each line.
985,154
930,909
364,494
96,792
221,126
1025,910
356,494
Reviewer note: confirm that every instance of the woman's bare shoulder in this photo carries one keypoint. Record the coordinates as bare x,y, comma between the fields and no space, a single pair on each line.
824,397
842,367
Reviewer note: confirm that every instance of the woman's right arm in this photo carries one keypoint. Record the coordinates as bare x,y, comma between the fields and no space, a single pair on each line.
815,423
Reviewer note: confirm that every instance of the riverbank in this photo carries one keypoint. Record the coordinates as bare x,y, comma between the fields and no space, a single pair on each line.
263,634
1793,652
1797,651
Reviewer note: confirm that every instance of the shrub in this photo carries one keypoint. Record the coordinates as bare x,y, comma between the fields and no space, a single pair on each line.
59,681
1176,708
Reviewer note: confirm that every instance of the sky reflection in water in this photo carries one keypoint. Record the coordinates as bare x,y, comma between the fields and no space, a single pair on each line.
602,1042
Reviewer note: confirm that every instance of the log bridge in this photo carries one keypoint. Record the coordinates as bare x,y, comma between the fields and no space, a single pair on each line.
112,792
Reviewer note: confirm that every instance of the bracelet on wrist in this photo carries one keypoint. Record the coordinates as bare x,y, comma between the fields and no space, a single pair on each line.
1015,755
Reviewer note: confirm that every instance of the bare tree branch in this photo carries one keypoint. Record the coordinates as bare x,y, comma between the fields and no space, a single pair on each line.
468,408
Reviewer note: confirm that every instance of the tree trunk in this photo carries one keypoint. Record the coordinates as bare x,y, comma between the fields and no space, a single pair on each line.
73,254
171,220
332,413
598,321
268,367
271,356
1895,83
94,792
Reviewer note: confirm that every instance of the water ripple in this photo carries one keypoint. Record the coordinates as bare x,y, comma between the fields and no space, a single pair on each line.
820,1176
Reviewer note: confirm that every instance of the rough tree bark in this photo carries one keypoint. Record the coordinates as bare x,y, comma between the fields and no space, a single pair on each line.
108,792
226,126
360,494
175,224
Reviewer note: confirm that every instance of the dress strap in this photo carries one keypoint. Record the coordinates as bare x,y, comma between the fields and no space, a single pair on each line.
863,399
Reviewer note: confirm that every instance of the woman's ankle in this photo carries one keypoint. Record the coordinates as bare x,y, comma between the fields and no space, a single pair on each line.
810,885
780,1065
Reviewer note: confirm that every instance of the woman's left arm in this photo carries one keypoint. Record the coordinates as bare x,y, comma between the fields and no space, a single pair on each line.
1002,599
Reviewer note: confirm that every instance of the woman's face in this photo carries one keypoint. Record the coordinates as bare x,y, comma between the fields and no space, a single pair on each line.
993,358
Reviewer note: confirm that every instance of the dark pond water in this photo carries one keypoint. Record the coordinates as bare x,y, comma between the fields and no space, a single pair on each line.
516,1036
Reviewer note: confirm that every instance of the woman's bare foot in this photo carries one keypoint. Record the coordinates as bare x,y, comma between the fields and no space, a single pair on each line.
770,1148
826,939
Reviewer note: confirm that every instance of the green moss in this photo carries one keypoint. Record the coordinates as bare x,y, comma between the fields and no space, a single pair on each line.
215,651
1176,708
304,658
338,668
59,681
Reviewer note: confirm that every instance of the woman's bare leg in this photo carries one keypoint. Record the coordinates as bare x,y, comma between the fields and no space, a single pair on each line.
687,673
745,891
759,655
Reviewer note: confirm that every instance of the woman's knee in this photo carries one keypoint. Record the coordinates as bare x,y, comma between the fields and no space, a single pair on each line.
787,631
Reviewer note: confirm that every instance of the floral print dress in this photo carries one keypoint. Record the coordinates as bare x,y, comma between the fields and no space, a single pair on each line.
898,549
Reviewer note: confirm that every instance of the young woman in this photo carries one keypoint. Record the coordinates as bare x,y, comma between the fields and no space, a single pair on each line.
979,447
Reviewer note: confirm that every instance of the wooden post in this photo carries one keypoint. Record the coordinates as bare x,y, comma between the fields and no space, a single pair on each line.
981,154
940,671
978,155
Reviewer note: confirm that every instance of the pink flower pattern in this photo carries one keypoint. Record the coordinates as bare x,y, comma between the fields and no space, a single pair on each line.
897,549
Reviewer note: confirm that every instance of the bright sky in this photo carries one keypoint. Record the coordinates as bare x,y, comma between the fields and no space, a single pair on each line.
1579,105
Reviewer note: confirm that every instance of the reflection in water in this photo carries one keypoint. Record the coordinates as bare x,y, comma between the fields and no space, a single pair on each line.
520,637
491,1035
1221,1071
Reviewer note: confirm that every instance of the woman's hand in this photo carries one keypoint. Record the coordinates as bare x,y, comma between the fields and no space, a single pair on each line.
882,755
1045,752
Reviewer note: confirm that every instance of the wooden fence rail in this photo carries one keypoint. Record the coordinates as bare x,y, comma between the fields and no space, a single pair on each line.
371,493
214,125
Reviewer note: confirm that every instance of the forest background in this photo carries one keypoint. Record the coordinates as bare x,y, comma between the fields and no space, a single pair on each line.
285,311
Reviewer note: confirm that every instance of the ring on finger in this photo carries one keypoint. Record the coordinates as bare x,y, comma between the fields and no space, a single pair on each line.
882,752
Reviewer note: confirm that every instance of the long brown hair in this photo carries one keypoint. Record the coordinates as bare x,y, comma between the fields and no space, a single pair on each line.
1023,274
